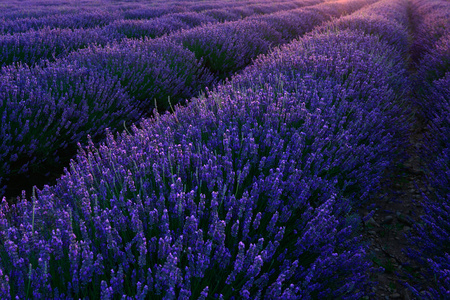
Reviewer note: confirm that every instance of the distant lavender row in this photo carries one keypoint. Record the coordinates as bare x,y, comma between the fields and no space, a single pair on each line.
105,15
229,47
149,71
50,44
433,66
389,20
237,195
177,21
220,6
77,20
33,46
431,19
16,10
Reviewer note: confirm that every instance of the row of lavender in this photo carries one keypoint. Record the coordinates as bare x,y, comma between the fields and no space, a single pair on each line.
246,192
431,49
48,43
50,109
15,10
105,14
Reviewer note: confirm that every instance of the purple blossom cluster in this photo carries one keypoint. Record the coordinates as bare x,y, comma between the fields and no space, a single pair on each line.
245,193
229,47
46,112
194,19
53,108
435,63
296,69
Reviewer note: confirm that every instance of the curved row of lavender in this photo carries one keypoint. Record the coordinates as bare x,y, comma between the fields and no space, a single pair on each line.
229,47
82,19
146,70
247,192
393,124
47,111
434,235
52,43
389,21
431,18
34,11
221,7
433,78
178,21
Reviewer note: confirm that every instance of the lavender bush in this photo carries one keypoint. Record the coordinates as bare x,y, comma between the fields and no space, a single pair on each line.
149,70
436,62
291,24
152,12
194,19
433,66
148,28
223,14
46,112
50,44
69,20
226,48
298,68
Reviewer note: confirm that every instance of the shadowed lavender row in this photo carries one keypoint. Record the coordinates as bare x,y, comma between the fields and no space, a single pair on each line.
51,43
431,19
226,197
433,93
49,110
434,234
148,71
229,47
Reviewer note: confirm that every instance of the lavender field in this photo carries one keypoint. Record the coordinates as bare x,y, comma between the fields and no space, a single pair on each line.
225,149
